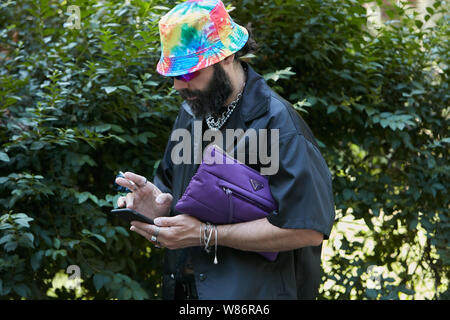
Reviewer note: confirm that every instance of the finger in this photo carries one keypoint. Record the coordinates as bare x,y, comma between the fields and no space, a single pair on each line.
143,233
126,183
121,202
150,229
166,221
137,179
142,183
129,200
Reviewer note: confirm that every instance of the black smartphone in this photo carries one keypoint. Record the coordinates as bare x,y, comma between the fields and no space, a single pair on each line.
131,215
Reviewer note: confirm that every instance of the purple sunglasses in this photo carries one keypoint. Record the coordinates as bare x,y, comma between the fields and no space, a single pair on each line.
188,76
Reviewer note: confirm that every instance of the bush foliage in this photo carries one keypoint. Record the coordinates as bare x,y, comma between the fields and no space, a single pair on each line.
79,104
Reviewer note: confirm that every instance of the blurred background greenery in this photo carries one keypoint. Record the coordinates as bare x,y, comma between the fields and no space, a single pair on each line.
80,99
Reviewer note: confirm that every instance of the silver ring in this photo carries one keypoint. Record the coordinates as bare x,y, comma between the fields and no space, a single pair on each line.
155,242
156,234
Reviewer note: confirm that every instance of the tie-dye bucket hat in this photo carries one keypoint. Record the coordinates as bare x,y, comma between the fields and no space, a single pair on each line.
196,34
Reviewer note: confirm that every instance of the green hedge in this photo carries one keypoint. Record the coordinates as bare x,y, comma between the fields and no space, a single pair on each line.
77,105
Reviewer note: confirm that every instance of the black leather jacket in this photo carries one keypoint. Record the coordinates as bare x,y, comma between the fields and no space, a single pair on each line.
302,188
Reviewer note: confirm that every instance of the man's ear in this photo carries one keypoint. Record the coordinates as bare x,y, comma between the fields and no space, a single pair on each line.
228,60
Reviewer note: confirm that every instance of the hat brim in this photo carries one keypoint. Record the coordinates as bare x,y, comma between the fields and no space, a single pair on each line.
176,66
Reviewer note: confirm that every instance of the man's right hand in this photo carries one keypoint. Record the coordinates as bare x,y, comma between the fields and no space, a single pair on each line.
145,197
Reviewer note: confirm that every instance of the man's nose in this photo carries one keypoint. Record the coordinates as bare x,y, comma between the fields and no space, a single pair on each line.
179,85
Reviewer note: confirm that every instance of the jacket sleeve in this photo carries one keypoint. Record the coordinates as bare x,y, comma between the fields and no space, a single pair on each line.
302,187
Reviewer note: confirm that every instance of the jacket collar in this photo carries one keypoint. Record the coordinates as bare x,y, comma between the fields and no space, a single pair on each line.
255,99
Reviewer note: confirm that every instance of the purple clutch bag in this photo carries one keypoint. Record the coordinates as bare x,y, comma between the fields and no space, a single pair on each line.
225,191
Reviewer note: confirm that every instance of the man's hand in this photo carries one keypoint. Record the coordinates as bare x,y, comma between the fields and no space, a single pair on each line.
176,232
145,197
260,235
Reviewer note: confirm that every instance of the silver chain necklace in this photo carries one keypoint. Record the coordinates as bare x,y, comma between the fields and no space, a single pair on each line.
216,125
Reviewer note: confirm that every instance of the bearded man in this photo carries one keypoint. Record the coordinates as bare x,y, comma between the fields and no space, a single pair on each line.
201,51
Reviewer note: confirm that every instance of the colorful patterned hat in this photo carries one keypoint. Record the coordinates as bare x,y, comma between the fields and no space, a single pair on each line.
197,34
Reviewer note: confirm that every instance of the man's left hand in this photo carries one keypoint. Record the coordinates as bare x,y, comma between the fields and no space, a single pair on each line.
176,232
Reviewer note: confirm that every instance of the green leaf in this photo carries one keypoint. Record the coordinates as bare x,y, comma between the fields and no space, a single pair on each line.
118,138
22,290
4,157
127,294
279,74
347,194
384,123
82,197
23,222
372,293
36,259
109,90
122,231
10,246
27,240
100,280
56,243
331,109
5,226
406,290
158,7
102,128
438,186
6,238
37,145
99,237
413,224
125,88
93,245
93,198
56,253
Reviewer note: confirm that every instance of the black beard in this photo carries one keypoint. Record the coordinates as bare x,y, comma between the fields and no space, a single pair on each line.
212,100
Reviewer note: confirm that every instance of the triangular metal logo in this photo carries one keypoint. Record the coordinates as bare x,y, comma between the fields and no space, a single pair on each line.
257,185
